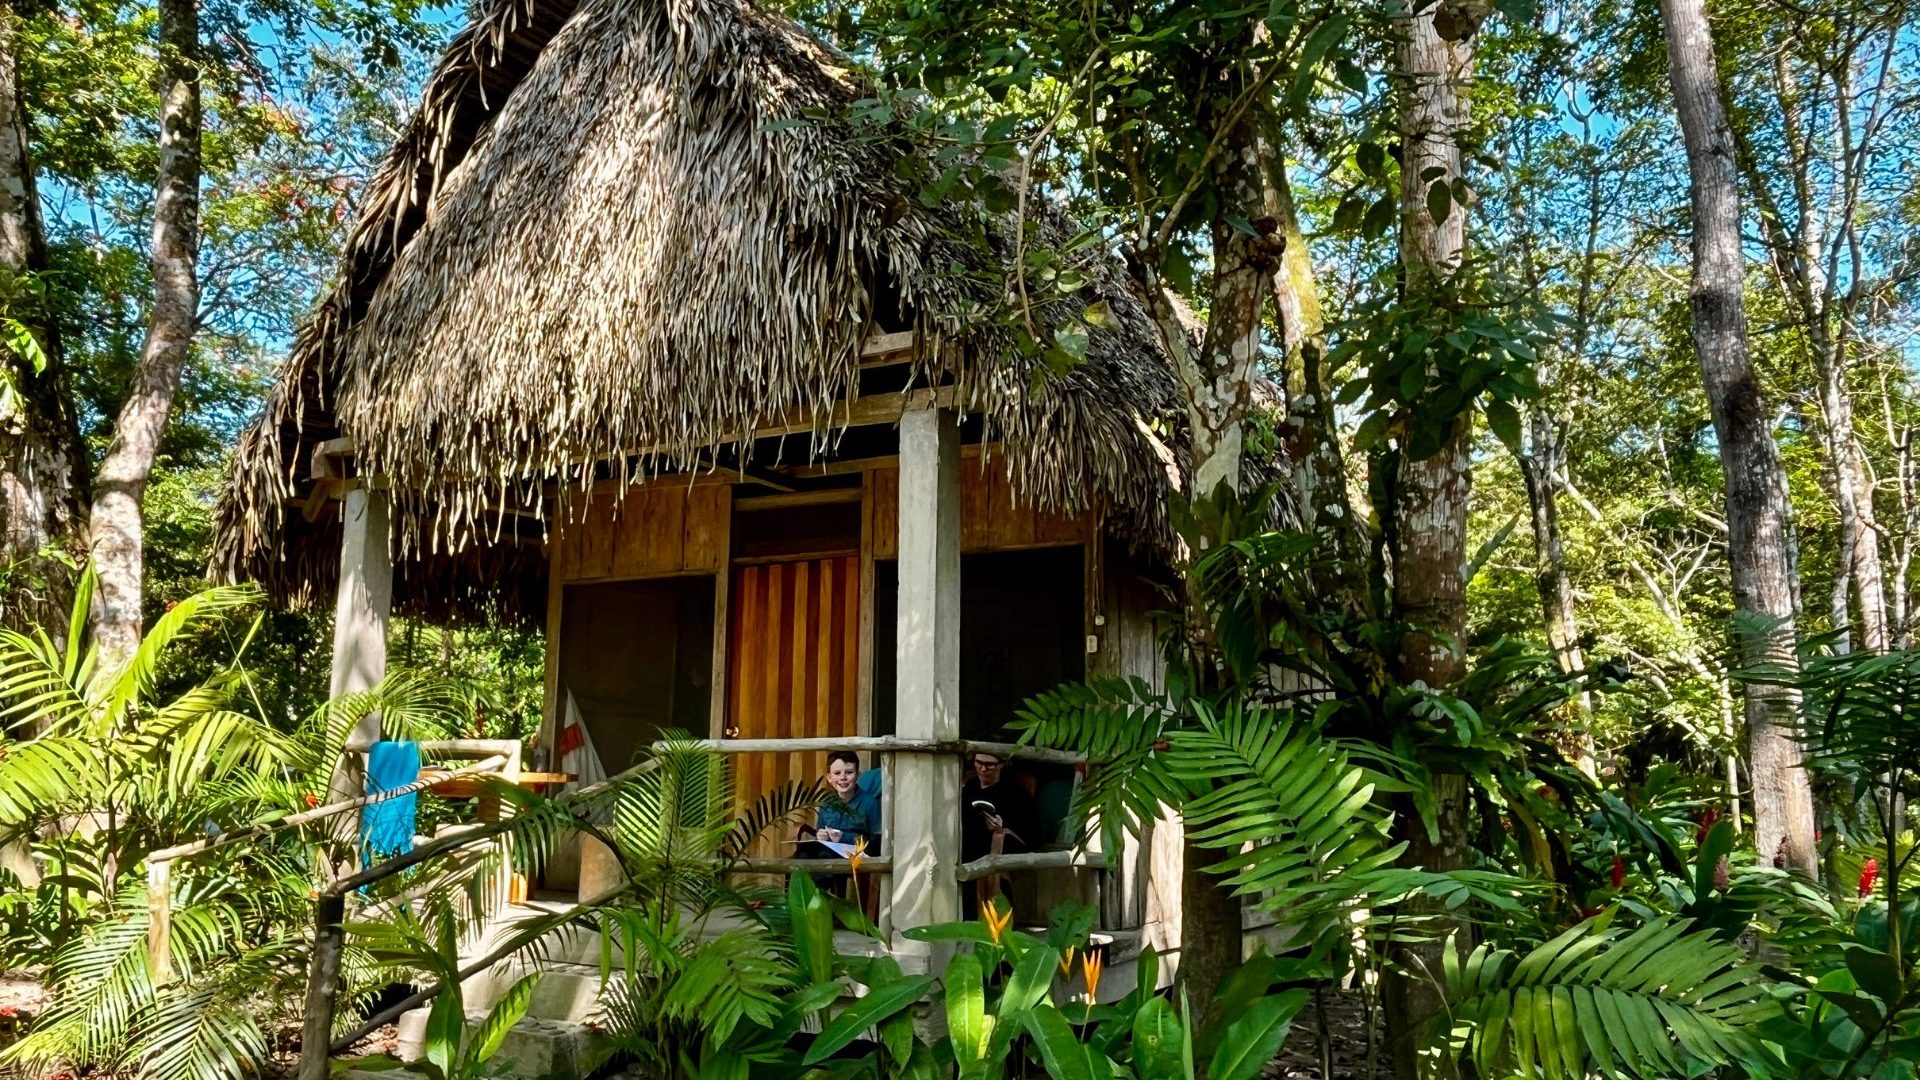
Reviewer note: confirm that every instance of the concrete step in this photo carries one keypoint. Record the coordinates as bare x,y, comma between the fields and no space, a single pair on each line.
568,992
536,1048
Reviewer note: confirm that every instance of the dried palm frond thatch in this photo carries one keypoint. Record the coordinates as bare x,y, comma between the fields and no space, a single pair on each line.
605,239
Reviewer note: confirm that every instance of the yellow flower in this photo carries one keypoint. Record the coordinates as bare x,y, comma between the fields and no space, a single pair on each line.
997,920
1091,963
857,855
1066,962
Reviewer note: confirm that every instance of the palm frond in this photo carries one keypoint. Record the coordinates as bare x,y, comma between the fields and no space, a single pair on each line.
1122,726
1660,1000
1294,815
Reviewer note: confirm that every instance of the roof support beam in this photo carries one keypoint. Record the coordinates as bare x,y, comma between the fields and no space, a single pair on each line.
924,835
360,613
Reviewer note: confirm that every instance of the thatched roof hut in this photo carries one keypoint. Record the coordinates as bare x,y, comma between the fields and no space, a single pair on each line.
604,246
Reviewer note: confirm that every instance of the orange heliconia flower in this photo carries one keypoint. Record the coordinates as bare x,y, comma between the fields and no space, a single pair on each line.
1091,964
1066,962
997,921
857,855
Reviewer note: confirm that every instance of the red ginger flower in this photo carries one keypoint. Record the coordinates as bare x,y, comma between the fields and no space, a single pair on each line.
1618,875
1869,873
1706,822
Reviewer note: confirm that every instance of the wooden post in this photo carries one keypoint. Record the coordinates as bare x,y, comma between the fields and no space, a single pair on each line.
323,984
925,840
160,921
360,631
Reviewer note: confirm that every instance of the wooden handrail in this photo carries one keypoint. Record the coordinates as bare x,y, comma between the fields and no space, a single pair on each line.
160,863
885,744
1027,860
330,933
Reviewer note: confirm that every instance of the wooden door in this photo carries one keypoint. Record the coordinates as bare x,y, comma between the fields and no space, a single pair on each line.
793,666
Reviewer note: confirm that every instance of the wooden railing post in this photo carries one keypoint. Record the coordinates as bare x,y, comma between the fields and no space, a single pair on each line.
160,920
323,984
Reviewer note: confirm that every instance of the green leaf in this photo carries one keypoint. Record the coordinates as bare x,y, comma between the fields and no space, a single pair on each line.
1504,420
879,1004
1158,1041
812,919
446,1024
1875,972
1439,203
1255,1038
967,1022
1319,43
1065,1055
508,1011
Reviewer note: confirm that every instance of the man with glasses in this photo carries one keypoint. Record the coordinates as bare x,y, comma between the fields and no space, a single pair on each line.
997,816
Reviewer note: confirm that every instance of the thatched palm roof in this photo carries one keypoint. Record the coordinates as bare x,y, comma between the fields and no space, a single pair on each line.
604,237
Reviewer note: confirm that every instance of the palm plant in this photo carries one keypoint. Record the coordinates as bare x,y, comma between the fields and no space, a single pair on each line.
1659,1000
692,960
100,767
96,754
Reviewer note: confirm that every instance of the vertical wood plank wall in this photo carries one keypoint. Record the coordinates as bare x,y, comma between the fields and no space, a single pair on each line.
990,518
795,670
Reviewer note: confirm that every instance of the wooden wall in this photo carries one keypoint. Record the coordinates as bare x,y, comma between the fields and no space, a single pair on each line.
990,518
665,528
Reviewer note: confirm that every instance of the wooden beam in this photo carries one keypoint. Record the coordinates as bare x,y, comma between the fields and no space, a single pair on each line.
749,503
892,744
882,350
989,865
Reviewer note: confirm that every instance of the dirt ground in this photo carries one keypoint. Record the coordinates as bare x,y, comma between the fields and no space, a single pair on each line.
1347,1030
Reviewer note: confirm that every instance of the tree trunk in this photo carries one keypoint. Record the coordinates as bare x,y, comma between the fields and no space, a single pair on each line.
1429,547
1757,522
42,461
1852,490
119,491
1216,381
1309,434
1540,470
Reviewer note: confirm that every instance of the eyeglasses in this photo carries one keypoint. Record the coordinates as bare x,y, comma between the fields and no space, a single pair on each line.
979,764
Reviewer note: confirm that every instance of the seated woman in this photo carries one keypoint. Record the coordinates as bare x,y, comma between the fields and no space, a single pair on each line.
851,812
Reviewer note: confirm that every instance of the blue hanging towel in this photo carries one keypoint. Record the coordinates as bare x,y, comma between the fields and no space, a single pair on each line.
386,828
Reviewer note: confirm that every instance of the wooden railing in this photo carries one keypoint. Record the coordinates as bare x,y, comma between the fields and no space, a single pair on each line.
329,942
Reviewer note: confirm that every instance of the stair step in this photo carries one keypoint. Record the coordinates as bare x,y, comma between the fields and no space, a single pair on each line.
536,1048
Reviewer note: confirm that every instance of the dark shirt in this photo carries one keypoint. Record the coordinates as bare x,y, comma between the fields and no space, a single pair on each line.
1016,811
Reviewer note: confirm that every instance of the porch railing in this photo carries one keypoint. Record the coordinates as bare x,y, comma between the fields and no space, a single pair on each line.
317,1042
502,758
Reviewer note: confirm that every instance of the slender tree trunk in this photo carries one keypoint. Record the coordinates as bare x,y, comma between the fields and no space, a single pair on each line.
1216,381
1540,470
1309,433
42,462
1802,261
1219,392
1852,490
120,490
1757,521
1430,495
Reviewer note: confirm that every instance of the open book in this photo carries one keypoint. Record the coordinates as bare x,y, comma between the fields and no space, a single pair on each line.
842,850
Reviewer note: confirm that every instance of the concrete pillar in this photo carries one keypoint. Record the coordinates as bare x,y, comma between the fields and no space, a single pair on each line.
360,628
366,594
924,835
